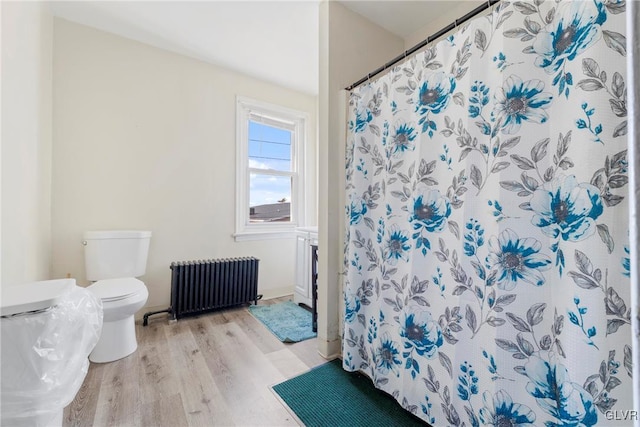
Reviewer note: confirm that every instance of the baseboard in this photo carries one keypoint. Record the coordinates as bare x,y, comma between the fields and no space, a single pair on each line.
140,314
276,293
267,294
329,349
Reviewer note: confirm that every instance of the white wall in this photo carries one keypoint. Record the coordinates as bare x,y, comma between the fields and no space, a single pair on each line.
457,10
145,139
26,142
350,47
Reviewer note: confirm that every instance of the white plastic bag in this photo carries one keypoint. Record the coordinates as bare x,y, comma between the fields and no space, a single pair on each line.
45,356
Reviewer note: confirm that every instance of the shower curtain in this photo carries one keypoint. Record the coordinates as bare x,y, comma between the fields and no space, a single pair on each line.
487,241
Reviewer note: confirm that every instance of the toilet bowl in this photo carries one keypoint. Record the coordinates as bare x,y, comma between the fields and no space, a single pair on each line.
113,260
48,330
121,299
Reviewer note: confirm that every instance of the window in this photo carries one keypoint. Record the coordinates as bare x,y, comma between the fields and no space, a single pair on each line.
270,181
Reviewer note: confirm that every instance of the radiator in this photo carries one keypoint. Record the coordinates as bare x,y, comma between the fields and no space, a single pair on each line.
198,287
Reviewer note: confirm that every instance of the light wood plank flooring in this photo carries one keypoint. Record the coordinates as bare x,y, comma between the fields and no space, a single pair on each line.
211,370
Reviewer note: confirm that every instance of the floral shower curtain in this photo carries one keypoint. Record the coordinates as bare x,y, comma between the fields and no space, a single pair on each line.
486,252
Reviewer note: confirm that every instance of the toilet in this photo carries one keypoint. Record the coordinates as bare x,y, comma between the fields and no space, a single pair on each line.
113,260
48,329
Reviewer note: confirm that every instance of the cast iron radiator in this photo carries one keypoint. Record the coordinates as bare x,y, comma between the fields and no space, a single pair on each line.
201,286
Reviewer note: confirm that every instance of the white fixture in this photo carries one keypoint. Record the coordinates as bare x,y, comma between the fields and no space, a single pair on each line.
306,237
113,260
48,330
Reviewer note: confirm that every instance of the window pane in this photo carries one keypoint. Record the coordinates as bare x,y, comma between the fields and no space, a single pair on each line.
269,147
269,198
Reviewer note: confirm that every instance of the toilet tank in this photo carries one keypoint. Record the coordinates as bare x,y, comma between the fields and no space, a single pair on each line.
115,254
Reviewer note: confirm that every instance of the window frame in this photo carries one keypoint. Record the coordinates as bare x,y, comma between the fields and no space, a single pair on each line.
272,115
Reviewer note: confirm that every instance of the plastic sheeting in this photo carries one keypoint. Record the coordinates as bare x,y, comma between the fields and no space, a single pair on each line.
45,356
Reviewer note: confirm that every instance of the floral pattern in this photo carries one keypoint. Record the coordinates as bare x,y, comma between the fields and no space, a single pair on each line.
387,356
568,210
573,30
500,411
403,139
514,259
486,247
430,211
433,97
421,333
397,246
357,210
352,306
517,101
550,385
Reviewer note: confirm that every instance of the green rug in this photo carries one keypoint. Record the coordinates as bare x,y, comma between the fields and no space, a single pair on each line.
286,320
330,396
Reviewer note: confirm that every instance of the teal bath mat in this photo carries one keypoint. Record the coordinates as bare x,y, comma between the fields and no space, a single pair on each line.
286,320
329,396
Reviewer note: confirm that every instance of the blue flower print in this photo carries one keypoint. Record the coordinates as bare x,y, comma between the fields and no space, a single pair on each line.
402,139
575,28
363,117
499,410
397,246
517,101
567,209
368,105
386,356
430,210
478,98
433,97
357,210
550,385
352,307
626,263
421,333
516,259
435,92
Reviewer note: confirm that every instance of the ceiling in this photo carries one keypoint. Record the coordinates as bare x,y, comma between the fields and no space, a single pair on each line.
275,41
402,17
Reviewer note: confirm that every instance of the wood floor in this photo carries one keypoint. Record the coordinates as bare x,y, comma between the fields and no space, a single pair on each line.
212,370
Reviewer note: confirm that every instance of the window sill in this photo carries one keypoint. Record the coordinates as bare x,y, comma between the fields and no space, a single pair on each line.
264,235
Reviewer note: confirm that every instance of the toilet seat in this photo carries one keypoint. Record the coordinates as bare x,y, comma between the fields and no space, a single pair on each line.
33,296
111,290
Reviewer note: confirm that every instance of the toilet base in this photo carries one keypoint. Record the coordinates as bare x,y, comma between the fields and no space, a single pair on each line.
118,340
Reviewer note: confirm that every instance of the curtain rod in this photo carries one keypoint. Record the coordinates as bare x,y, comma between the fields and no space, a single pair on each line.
425,42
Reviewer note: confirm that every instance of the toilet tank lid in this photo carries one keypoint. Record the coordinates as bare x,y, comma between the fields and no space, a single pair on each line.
116,234
33,296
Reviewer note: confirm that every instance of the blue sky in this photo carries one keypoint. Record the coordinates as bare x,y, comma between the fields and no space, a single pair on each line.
269,148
